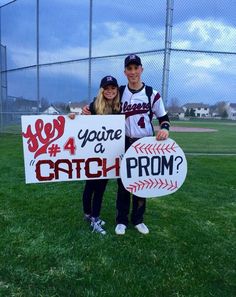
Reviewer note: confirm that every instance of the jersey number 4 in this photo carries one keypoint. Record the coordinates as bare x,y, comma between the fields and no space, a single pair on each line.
141,122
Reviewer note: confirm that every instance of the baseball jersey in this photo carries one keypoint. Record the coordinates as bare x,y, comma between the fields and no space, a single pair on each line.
136,108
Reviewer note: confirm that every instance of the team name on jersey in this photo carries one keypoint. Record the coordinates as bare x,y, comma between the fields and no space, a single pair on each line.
126,107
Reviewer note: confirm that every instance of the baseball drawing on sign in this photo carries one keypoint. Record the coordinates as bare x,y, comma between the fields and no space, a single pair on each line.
152,168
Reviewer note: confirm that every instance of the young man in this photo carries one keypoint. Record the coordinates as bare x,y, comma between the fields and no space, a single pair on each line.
138,103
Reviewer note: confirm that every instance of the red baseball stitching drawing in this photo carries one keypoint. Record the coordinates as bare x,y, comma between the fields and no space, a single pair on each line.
152,183
154,148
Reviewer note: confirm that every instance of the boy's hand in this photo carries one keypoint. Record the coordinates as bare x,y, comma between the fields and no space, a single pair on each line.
162,134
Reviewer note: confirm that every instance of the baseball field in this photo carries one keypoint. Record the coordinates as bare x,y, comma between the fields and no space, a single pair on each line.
47,250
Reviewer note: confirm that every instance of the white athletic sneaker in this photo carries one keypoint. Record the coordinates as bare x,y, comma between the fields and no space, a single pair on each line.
96,226
142,228
120,229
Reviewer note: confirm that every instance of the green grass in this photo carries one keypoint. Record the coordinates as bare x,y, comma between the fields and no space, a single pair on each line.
221,141
46,249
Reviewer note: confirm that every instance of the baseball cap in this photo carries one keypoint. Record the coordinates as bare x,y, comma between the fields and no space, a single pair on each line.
132,59
108,80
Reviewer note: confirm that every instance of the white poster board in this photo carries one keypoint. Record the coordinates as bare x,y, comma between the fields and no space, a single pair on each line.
57,148
152,168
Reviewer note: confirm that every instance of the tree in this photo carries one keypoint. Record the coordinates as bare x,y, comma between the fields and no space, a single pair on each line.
192,112
187,114
44,103
221,109
224,114
62,106
174,103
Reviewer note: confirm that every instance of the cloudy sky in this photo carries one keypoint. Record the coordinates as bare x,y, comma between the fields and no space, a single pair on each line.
118,29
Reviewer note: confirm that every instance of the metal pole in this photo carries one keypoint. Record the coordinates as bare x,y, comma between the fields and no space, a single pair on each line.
90,48
37,58
5,73
1,99
168,39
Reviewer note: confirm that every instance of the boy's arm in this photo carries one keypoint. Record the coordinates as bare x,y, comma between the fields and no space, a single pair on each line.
164,123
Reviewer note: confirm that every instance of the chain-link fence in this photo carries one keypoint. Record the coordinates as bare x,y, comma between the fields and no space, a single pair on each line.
55,53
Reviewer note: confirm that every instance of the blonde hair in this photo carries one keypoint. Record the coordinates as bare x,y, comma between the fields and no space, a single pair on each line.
104,106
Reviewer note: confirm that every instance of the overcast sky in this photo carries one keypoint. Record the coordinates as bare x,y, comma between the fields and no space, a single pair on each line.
120,28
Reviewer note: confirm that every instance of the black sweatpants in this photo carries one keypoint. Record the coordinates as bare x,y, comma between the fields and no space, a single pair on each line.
123,201
93,196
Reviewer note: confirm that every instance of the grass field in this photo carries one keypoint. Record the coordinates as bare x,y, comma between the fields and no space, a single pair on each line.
47,250
221,141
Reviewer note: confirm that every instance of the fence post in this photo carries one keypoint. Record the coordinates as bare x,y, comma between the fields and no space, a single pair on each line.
168,39
90,48
1,104
37,59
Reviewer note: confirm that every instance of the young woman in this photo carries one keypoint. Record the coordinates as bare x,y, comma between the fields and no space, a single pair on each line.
106,102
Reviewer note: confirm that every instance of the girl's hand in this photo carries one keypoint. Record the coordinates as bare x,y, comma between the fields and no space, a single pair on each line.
71,115
85,110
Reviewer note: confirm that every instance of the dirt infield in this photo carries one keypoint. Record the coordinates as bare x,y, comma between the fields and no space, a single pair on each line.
191,129
188,129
